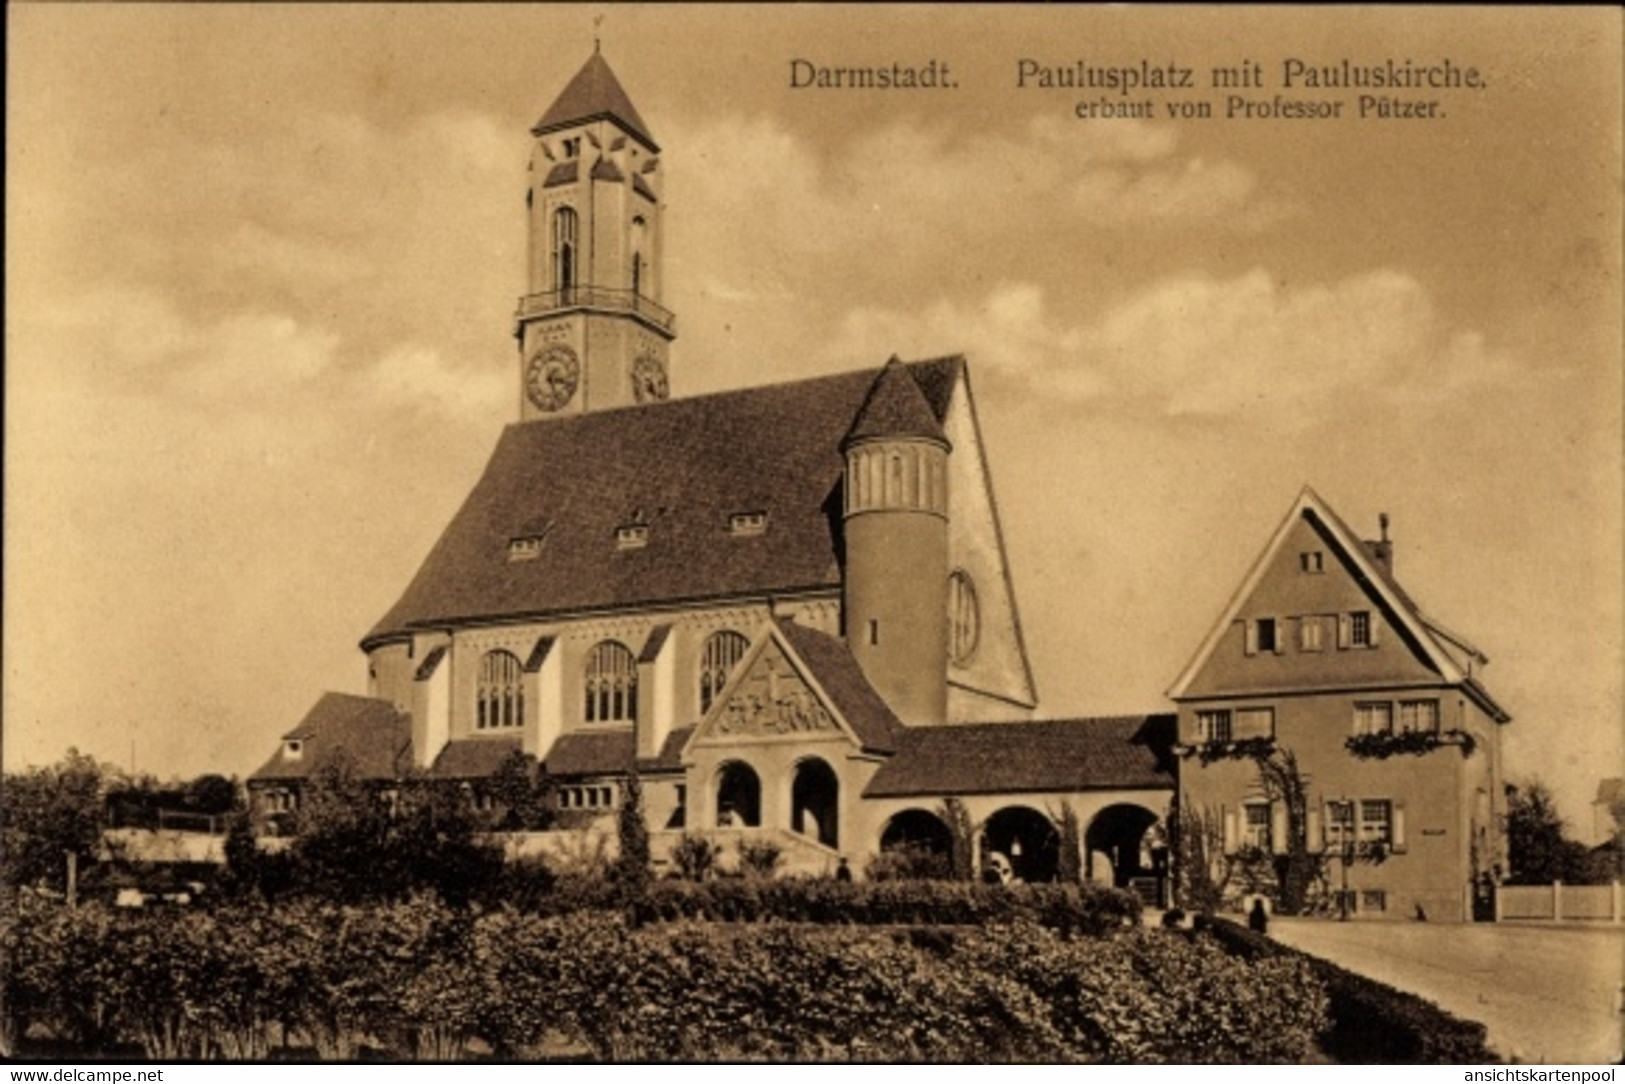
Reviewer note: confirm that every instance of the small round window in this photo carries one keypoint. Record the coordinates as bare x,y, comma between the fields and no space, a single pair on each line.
964,618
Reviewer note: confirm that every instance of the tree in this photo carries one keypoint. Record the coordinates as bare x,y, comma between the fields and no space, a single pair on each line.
522,788
49,813
962,841
1296,870
1069,867
1200,869
632,832
1537,849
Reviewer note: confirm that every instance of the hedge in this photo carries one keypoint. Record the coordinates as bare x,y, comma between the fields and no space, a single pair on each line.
1370,1022
418,979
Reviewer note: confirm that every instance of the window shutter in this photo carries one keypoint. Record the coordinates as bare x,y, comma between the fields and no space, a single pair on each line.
1278,826
1280,636
1371,629
1231,831
1342,631
1250,632
1398,827
1314,841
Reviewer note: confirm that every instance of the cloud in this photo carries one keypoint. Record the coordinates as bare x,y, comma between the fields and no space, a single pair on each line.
419,378
1203,346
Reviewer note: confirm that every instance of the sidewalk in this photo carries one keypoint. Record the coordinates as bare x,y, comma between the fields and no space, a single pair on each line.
1547,995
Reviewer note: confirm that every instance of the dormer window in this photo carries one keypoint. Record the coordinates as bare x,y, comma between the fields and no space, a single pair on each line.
631,536
527,548
293,748
747,523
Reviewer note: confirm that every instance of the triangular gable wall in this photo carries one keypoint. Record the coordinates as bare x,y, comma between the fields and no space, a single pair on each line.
998,666
1276,586
772,697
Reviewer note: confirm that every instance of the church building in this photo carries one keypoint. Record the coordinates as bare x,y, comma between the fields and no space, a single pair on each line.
787,607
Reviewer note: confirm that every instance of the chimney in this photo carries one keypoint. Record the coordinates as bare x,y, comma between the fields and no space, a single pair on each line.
1382,550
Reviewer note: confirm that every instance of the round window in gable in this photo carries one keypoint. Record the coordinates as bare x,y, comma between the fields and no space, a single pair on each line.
964,618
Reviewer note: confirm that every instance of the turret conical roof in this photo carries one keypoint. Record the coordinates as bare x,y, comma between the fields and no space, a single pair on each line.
593,94
895,407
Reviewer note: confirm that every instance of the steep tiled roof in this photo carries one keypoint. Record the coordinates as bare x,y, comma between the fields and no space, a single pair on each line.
834,668
377,738
685,466
472,758
1117,753
609,752
594,93
895,407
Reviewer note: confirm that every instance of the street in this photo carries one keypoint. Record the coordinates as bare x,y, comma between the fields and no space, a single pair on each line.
1547,994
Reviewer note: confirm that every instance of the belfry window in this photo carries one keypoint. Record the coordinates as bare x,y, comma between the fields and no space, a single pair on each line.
565,228
500,698
612,684
719,656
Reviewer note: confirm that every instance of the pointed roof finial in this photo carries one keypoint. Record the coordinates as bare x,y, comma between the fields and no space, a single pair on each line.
597,21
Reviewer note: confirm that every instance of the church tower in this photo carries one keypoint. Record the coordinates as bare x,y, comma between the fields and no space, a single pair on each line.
592,332
896,518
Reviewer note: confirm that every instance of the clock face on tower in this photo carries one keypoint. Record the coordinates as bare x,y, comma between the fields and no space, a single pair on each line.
551,377
649,379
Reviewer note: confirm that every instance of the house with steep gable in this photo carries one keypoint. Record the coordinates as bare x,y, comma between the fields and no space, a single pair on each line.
1322,653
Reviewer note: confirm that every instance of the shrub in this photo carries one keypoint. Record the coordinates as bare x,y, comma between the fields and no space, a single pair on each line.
426,980
910,862
1370,1021
694,856
759,857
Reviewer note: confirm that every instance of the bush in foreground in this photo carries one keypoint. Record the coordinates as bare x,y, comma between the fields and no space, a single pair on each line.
418,978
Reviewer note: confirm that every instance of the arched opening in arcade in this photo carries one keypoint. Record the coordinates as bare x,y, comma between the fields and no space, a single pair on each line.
919,843
1025,840
1126,845
739,796
815,802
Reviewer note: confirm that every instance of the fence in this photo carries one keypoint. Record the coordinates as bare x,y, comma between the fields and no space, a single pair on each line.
1558,902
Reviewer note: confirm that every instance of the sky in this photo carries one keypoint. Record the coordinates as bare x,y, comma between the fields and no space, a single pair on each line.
262,262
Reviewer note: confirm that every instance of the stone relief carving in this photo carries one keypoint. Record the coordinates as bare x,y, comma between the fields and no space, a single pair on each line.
772,700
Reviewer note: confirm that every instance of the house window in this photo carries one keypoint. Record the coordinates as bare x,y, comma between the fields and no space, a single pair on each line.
1256,825
565,228
612,684
1374,718
1312,561
1339,823
1373,899
1376,820
1311,634
1419,716
719,656
1360,629
572,147
1254,723
500,696
1213,726
1263,635
964,617
293,749
599,796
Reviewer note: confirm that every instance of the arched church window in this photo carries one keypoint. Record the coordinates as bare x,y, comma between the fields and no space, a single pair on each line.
500,697
565,228
612,684
964,617
719,656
